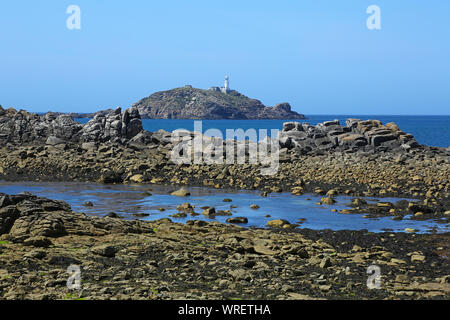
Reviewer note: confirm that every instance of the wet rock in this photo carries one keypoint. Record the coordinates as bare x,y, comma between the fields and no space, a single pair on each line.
113,215
110,177
417,257
357,202
36,254
328,200
297,191
179,215
209,211
237,220
105,250
137,178
240,275
181,192
39,241
325,263
141,215
8,215
280,223
185,207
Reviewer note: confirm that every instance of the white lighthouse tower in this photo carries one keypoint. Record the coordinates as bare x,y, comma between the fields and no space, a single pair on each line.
226,87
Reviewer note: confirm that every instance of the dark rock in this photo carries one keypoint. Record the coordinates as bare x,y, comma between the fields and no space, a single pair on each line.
113,215
39,241
105,250
237,220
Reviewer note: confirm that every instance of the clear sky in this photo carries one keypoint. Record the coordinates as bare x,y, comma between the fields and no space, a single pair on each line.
317,55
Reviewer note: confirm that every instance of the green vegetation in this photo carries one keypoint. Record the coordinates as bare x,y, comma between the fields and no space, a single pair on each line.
70,296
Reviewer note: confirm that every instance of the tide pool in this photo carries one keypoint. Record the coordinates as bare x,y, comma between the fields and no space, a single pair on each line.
127,200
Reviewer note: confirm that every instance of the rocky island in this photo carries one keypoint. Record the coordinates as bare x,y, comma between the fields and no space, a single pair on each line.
215,103
191,103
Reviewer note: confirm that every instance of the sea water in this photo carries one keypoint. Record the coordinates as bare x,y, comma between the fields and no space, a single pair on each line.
127,200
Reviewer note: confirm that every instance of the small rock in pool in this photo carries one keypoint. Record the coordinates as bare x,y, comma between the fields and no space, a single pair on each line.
179,215
113,215
328,200
88,204
209,211
281,223
254,206
227,200
185,207
181,192
140,215
237,220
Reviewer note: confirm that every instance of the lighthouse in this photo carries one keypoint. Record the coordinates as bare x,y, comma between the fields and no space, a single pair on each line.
226,87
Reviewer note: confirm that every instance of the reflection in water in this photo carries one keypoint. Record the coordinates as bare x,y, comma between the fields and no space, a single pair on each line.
128,200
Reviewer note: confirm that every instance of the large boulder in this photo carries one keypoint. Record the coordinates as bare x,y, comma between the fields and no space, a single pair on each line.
356,135
115,126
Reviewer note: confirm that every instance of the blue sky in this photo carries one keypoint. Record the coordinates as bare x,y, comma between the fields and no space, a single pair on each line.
317,55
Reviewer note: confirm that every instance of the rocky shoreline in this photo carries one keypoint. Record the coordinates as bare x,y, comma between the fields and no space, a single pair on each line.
208,260
115,149
119,259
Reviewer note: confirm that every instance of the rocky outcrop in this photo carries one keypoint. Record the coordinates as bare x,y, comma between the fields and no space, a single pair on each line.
26,216
115,126
192,103
19,127
365,135
22,127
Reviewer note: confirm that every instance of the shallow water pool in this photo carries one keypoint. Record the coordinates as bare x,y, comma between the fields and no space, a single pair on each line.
127,200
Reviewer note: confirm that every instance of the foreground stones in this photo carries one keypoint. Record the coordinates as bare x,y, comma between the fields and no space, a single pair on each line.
122,259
